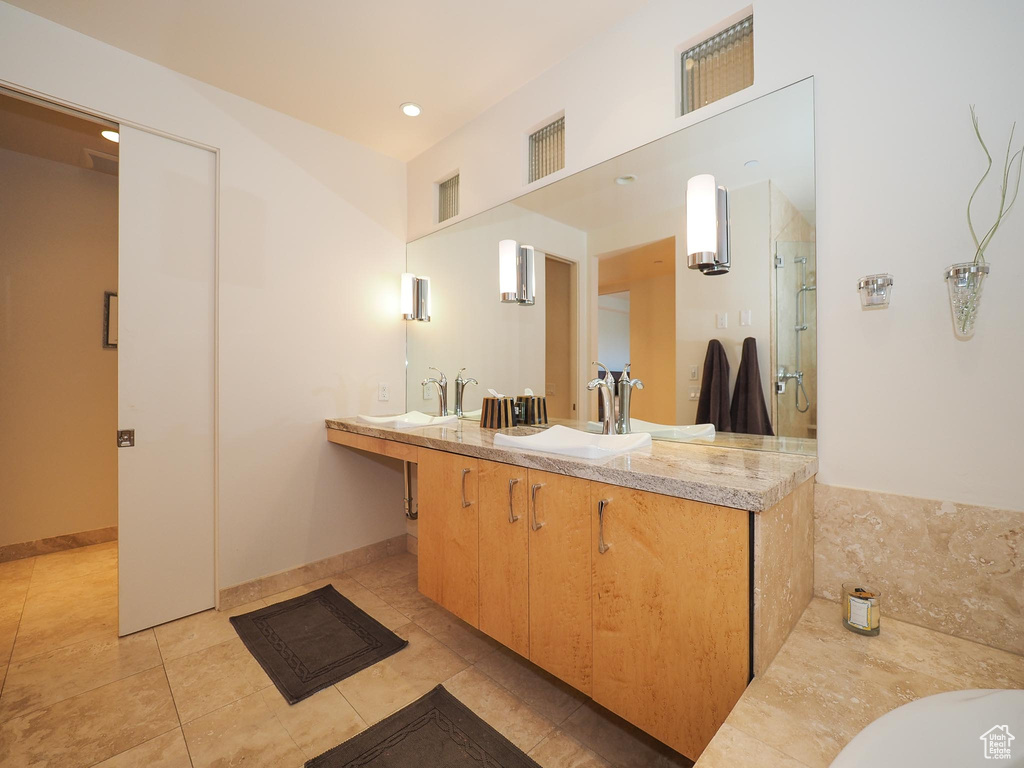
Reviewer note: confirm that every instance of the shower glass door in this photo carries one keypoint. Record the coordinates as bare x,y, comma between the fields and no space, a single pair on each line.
795,407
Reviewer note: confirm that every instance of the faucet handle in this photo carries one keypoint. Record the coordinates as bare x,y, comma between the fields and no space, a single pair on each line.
459,376
595,383
625,372
441,379
636,383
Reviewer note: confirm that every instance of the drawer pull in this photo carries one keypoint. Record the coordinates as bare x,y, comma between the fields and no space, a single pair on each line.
601,546
536,487
464,502
512,517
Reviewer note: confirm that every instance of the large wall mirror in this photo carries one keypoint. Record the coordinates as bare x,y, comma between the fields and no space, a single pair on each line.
613,283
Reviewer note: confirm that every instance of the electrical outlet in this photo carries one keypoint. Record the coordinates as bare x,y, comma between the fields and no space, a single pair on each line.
383,392
745,317
694,393
721,319
428,391
549,390
693,373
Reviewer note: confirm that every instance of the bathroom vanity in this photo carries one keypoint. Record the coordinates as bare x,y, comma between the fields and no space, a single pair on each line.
657,582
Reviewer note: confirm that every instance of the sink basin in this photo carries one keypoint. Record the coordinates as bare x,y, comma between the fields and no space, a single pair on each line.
573,442
409,420
665,431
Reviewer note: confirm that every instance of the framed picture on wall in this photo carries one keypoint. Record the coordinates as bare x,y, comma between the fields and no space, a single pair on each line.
110,320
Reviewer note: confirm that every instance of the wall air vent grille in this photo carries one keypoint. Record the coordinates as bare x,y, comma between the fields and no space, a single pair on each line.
719,66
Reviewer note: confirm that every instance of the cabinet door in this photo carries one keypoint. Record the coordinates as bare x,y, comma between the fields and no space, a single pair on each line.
448,561
560,580
671,612
504,555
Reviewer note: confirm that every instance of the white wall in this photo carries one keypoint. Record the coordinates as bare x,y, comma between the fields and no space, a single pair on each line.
312,240
904,407
58,384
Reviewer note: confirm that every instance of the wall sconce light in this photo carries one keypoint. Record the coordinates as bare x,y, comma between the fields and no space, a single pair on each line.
415,297
875,291
517,278
707,225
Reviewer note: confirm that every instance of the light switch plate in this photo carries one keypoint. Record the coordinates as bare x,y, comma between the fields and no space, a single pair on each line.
745,316
693,373
721,319
428,391
383,392
694,393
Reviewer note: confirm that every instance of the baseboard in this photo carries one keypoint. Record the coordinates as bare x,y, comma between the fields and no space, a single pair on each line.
53,544
248,591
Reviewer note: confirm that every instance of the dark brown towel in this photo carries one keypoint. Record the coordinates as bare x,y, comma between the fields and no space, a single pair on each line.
713,406
749,412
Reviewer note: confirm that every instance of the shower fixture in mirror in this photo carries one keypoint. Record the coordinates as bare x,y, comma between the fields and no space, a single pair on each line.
726,337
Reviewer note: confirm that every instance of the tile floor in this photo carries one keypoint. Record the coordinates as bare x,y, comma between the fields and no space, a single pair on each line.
187,693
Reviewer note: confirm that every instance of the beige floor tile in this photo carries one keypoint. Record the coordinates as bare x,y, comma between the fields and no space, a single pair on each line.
318,723
243,733
75,563
389,685
505,713
384,572
165,751
57,675
92,726
466,641
558,750
200,630
617,741
213,677
3,676
15,578
732,747
404,595
543,692
10,619
64,613
288,594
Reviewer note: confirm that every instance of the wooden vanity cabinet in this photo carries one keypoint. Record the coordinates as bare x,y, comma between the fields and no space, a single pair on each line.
560,590
449,534
671,621
504,555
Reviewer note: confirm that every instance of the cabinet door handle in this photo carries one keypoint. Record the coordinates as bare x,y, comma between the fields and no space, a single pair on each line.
533,493
601,546
464,502
512,517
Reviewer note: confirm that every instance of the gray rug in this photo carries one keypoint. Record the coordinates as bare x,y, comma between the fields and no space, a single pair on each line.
436,731
312,641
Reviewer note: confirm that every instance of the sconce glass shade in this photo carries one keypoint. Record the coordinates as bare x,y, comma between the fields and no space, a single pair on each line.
407,301
701,220
508,256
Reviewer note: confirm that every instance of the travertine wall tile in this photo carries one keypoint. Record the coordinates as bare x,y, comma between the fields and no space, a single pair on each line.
955,568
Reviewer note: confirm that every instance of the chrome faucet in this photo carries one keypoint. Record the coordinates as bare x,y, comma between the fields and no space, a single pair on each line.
605,390
460,389
623,389
442,390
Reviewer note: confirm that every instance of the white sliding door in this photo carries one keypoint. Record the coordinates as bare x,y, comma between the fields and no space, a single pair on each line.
165,379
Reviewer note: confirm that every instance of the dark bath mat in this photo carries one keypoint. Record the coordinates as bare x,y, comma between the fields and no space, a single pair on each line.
436,731
312,641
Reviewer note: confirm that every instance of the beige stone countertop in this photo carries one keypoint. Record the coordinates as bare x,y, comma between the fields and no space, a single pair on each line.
729,477
827,684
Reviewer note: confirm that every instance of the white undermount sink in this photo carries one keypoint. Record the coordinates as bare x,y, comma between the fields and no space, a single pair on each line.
409,420
665,431
573,442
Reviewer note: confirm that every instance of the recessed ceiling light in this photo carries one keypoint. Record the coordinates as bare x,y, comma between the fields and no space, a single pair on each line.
113,136
629,178
751,164
411,109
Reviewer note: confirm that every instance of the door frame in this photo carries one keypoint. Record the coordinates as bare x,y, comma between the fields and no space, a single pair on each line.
63,105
